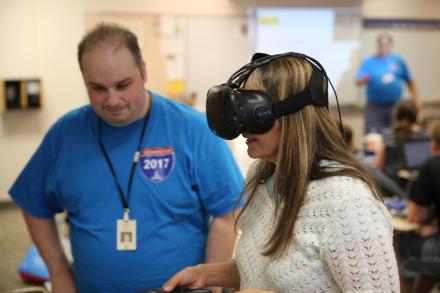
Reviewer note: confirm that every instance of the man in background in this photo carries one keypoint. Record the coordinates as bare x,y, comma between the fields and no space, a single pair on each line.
419,253
130,163
384,74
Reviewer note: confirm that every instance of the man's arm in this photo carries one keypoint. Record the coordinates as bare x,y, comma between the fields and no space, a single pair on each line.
45,236
362,80
415,94
221,240
419,214
423,216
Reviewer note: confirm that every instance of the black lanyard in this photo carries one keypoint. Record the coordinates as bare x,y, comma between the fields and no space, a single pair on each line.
124,199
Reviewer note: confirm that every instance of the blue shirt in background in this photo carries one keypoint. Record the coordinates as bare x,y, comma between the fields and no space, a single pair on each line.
387,75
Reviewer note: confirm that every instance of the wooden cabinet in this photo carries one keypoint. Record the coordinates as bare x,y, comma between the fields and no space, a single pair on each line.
21,94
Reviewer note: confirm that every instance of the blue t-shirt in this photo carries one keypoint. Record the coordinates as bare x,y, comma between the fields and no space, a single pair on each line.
387,75
184,175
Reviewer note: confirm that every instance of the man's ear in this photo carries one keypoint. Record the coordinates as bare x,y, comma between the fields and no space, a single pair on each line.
143,69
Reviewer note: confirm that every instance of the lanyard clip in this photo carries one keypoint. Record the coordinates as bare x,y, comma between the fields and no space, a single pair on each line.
126,217
136,157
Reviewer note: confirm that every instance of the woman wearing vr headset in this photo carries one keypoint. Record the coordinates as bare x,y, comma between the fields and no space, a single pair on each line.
313,220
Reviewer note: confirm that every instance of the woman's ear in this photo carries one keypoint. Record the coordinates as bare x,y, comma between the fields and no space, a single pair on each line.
276,125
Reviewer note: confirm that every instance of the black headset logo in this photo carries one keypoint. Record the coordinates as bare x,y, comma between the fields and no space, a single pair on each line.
232,110
263,113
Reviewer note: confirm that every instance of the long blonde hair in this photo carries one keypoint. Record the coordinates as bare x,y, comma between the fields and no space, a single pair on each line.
307,136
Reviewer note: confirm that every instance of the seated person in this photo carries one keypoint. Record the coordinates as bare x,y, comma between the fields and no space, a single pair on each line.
313,220
388,186
390,156
419,253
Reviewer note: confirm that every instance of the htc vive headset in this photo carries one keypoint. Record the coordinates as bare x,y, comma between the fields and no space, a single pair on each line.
232,110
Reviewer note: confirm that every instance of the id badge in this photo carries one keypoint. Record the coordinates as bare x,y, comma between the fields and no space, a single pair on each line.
387,78
126,234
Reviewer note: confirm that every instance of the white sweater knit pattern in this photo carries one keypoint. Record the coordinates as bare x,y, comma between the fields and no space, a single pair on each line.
342,242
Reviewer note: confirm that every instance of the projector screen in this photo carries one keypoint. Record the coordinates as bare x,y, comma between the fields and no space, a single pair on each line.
330,35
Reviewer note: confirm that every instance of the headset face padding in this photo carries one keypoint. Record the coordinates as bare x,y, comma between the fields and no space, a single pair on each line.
232,110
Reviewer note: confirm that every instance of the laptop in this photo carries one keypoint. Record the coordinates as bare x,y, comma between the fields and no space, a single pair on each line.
416,153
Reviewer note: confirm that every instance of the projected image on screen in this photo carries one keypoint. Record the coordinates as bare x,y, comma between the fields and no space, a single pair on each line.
332,36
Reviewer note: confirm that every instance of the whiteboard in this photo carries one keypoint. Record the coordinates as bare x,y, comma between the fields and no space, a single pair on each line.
330,35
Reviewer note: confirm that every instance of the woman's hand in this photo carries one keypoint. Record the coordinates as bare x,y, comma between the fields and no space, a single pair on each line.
207,275
191,277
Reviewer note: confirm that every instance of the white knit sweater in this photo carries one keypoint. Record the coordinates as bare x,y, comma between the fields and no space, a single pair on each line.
343,242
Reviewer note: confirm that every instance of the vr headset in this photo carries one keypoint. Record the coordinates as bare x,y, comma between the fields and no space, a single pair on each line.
232,110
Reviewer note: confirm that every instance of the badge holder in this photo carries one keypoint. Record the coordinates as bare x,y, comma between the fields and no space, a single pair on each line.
126,233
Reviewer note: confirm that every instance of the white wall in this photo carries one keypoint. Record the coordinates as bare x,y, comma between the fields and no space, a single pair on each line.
39,38
415,9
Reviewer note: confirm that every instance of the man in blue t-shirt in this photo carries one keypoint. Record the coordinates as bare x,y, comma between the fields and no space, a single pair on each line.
384,75
147,187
